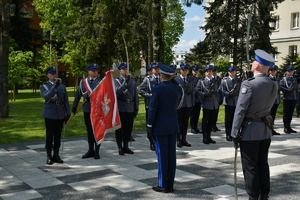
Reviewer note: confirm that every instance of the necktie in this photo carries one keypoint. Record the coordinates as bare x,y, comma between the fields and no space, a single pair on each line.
157,80
233,81
91,82
184,80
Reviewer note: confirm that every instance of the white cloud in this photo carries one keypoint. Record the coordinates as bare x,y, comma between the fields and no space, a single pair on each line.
194,19
183,45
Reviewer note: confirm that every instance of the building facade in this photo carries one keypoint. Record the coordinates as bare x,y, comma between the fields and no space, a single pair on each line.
286,36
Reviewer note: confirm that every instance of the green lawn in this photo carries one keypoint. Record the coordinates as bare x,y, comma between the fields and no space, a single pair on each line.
25,122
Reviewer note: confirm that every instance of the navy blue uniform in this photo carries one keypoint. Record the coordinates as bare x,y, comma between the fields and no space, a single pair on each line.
56,107
289,88
196,109
163,123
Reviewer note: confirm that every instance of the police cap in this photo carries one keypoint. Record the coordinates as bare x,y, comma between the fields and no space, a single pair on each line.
263,57
166,70
289,68
231,68
208,67
195,67
215,68
149,67
184,66
50,69
173,67
92,66
273,67
122,65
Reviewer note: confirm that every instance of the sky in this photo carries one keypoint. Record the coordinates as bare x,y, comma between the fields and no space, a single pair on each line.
191,35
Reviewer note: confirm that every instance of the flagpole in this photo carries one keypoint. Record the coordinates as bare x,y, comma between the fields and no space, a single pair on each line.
81,105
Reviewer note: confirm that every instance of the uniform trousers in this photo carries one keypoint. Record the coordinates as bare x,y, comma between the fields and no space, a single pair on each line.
288,110
195,113
166,156
254,155
89,128
298,106
215,118
274,111
53,132
229,114
183,120
123,133
207,119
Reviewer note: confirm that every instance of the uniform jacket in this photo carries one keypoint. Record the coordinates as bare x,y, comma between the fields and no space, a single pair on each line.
127,95
82,92
189,96
226,87
273,78
203,86
218,80
253,97
146,86
52,97
287,82
197,98
163,105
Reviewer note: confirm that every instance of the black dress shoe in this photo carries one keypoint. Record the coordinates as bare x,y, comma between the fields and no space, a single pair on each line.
57,159
214,129
160,189
152,147
132,139
292,131
89,154
170,190
185,143
228,138
193,131
275,133
49,160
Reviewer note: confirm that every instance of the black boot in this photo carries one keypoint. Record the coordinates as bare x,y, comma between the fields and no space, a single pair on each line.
97,155
228,136
152,147
263,197
49,157
253,198
205,139
290,129
179,141
90,152
209,138
126,148
120,148
184,142
56,157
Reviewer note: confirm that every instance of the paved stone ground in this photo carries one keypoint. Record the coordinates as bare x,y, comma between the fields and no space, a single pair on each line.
203,171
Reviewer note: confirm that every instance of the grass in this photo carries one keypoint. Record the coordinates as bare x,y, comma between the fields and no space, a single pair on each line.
25,122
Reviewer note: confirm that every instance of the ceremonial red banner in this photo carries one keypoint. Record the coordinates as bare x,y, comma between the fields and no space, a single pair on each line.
104,108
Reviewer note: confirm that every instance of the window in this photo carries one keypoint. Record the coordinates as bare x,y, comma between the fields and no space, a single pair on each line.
295,20
292,50
275,23
275,56
176,56
182,56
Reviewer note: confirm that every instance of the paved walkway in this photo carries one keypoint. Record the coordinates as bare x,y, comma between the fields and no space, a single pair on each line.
203,171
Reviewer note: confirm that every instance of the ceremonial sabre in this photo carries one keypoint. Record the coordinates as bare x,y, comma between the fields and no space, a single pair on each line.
76,112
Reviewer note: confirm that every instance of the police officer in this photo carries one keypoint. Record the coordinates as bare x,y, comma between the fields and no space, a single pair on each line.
289,88
297,76
162,124
145,90
217,79
197,107
56,111
86,86
207,89
184,112
272,75
230,87
252,111
128,104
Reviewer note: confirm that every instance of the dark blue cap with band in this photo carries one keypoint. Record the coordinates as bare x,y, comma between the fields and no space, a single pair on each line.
154,65
231,68
92,66
122,65
215,68
149,67
289,68
273,67
195,67
263,57
173,66
50,69
164,69
184,66
208,67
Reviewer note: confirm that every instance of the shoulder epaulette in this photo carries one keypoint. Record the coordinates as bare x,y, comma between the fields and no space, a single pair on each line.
250,79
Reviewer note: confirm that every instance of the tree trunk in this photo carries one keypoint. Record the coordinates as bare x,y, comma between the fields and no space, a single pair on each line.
157,32
150,39
4,44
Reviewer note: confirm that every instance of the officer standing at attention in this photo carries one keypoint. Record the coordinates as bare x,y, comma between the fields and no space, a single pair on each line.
162,124
86,86
289,88
128,104
272,75
217,79
188,102
197,107
252,116
145,90
230,87
207,89
56,111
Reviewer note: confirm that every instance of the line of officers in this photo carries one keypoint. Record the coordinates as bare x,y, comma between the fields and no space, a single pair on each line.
207,92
